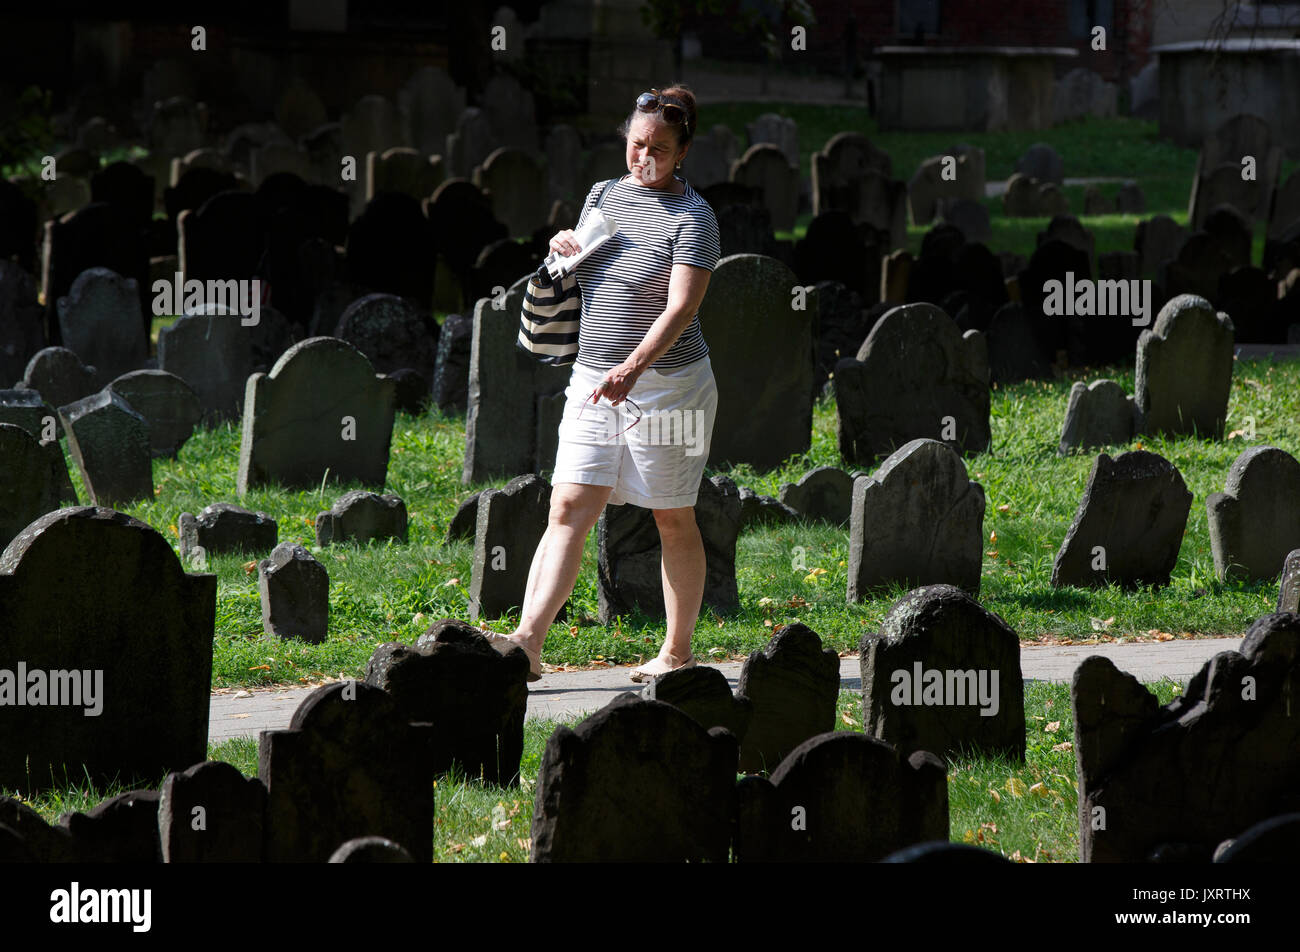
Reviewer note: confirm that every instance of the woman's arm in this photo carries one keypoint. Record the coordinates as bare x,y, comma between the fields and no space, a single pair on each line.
686,288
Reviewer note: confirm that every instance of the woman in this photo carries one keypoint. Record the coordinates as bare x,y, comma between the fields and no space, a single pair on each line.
639,331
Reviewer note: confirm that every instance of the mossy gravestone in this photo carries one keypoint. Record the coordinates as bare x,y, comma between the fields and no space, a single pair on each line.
360,516
1255,521
295,592
1182,778
109,442
1097,414
169,405
509,526
222,528
841,797
211,813
26,490
1129,524
633,759
132,671
321,408
943,675
1184,370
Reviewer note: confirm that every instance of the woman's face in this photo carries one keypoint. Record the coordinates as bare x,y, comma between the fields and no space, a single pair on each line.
652,151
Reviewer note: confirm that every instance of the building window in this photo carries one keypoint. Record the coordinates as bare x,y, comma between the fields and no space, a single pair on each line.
1086,14
916,17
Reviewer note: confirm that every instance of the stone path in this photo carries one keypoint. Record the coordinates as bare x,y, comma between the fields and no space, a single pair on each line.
574,693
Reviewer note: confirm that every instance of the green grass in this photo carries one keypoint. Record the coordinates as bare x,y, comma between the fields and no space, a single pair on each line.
1026,812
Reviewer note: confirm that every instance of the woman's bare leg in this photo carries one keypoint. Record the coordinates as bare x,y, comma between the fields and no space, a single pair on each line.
683,568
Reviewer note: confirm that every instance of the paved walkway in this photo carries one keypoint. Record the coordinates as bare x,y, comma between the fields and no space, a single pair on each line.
574,693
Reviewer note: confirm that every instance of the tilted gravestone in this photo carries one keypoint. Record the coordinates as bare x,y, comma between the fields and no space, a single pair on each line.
224,527
474,696
168,404
26,409
629,554
635,758
1222,754
392,333
841,797
1274,840
211,813
756,510
1184,370
1097,414
350,764
451,367
295,593
792,683
109,442
1255,521
27,489
824,493
1288,594
510,524
149,615
765,167
1129,524
838,167
59,376
918,521
916,376
764,380
100,322
943,675
703,694
322,407
360,516
121,829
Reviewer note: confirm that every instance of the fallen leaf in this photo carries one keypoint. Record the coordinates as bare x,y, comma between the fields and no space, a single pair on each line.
1004,508
450,582
455,847
243,694
997,797
766,602
844,716
993,536
1040,790
1164,636
261,667
478,840
573,631
524,843
1099,624
767,623
250,568
1052,727
1015,786
1064,745
241,716
812,576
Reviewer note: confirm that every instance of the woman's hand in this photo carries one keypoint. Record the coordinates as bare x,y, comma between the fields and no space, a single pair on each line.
618,383
565,243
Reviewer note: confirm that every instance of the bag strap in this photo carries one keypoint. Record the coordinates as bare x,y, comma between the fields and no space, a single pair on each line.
605,191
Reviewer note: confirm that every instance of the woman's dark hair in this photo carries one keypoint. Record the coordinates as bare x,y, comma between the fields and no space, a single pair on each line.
681,95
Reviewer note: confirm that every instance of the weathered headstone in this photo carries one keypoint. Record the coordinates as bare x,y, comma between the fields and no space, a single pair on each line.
392,333
1014,351
510,524
360,516
26,409
1288,593
1157,241
824,493
213,353
223,528
322,407
1222,752
943,675
22,330
1255,521
792,683
629,553
757,510
295,594
474,696
918,521
1129,524
515,185
1097,414
168,404
451,365
371,849
27,488
1184,369
121,829
635,758
211,813
839,165
766,168
109,442
403,170
841,797
465,521
148,615
59,376
705,696
1042,162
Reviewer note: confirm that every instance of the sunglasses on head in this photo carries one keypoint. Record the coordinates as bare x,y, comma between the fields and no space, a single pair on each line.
672,111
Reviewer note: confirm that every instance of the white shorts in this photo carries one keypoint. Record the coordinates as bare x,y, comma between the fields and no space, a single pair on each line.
655,461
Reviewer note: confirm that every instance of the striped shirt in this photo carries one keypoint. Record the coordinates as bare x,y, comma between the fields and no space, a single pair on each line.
625,282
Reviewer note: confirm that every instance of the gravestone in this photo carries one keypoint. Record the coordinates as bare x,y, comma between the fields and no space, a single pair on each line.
350,764
1222,752
842,326
294,590
471,142
168,404
465,521
211,813
756,510
1042,162
1288,593
59,376
765,167
1223,184
835,249
704,695
745,229
635,758
1053,260
474,696
839,165
1286,207
410,390
371,849
1097,414
193,189
1129,524
403,170
121,829
1130,200
99,320
781,131
629,554
563,150
175,127
1081,93
373,124
941,179
222,239
1020,200
463,225
322,407
764,380
943,675
792,683
824,493
1253,522
22,328
1095,203
510,524
1184,369
510,112
30,838
213,353
18,226
515,185
918,521
1070,230
26,409
1233,232
391,248
1250,296
223,528
1200,264
499,265
430,102
971,217
1274,840
109,442
709,160
916,375
298,109
275,158
148,615
360,517
1014,350
392,332
27,489
841,797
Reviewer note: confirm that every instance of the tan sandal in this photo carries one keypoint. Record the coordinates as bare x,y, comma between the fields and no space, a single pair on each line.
504,643
657,666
